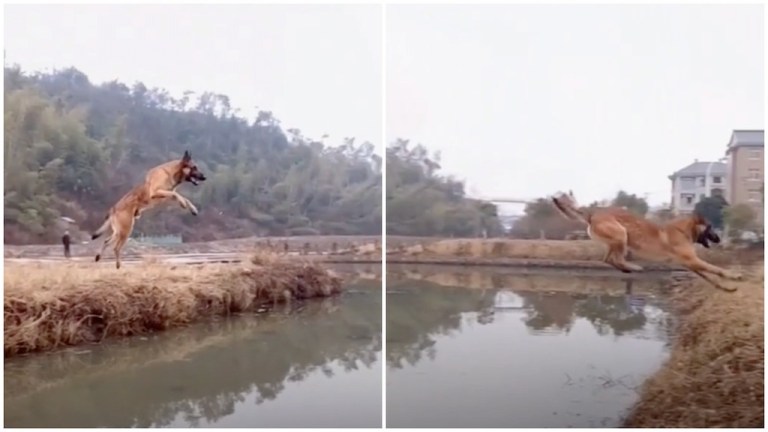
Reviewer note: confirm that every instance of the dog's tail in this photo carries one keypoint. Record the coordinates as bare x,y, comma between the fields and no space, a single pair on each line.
565,205
102,229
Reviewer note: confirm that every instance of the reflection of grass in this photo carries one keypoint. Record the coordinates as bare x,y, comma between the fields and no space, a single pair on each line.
715,375
36,373
609,282
181,373
53,305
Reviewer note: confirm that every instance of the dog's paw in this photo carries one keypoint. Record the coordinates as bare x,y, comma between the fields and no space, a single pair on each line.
98,257
193,210
734,276
727,289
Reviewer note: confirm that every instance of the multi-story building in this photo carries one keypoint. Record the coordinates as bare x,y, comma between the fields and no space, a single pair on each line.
696,182
746,169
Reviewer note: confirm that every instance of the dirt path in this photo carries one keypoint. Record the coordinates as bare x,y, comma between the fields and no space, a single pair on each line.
714,376
315,244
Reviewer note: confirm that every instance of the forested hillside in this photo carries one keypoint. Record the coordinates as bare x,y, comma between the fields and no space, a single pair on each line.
72,148
422,202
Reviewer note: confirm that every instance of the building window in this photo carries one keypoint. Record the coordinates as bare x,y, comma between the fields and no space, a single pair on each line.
716,192
754,196
702,181
755,154
717,179
687,183
753,174
687,199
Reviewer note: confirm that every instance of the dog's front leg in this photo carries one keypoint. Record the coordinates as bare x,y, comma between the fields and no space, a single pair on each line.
183,202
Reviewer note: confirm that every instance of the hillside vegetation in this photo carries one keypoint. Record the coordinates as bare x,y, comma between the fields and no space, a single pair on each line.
422,202
72,148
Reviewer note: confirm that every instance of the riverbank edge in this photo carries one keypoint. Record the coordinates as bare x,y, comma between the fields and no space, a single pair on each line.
49,306
714,376
519,262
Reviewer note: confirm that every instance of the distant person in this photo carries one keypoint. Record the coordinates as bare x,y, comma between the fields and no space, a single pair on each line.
66,241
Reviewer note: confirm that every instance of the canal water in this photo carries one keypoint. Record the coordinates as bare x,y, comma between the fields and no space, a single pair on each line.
315,364
492,348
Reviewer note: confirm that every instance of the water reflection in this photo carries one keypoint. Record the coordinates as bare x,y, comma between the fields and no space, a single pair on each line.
232,372
531,350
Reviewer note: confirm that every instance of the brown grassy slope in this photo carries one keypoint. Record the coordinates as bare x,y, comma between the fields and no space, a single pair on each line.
714,377
543,253
52,305
531,249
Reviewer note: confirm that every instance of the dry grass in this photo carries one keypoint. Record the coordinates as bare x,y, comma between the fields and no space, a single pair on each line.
714,377
53,305
523,249
548,281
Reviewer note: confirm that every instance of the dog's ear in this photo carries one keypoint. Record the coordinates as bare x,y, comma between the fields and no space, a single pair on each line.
187,157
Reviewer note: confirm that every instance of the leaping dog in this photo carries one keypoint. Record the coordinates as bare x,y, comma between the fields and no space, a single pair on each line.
159,186
620,230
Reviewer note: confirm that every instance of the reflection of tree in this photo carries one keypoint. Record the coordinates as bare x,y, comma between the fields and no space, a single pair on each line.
415,315
418,310
548,310
145,385
608,313
611,313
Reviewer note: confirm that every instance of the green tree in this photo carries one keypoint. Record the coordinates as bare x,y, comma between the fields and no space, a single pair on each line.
73,148
541,218
739,218
664,214
711,208
632,203
422,202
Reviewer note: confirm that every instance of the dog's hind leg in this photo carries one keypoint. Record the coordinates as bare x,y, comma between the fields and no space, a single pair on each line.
614,235
123,238
107,242
616,259
119,244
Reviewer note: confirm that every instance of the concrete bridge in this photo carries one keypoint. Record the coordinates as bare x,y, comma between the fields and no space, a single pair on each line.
506,200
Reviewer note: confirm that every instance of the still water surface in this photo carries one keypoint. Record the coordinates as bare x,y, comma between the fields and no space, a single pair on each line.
314,365
489,349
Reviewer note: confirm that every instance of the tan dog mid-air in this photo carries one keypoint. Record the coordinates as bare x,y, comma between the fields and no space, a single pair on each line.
621,230
159,186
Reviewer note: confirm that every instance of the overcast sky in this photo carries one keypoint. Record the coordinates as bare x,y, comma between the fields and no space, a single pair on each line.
524,101
317,68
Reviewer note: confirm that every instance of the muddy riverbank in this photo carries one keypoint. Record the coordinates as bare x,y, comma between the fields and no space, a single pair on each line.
47,306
